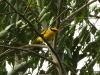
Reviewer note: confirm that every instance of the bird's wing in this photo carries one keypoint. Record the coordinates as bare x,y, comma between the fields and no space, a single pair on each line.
39,39
44,32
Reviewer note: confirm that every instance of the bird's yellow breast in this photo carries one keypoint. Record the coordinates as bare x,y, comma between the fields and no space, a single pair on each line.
48,35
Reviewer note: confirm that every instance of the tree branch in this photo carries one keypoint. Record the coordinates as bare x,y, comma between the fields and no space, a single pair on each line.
21,48
35,45
69,68
58,23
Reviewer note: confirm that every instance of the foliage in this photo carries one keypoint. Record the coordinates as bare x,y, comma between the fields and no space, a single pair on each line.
78,39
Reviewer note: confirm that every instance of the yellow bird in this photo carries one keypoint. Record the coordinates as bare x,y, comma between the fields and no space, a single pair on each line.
47,34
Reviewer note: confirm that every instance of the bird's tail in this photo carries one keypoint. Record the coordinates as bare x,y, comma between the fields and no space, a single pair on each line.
36,49
34,41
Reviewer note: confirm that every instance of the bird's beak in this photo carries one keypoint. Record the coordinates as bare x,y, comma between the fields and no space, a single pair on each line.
58,30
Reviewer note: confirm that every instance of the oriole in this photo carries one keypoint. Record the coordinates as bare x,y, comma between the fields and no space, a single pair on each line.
47,34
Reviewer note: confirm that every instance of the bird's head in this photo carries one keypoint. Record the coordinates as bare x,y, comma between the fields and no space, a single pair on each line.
55,30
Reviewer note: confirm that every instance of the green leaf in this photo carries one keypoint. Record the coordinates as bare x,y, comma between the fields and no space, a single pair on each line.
51,21
98,33
44,10
79,19
97,10
75,42
82,33
98,39
72,29
3,70
84,28
2,8
85,38
42,72
8,27
64,30
88,37
41,63
93,29
2,33
91,47
69,52
44,17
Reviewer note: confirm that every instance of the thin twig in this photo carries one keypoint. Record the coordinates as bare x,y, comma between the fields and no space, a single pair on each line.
6,13
94,16
35,45
69,68
30,8
26,9
72,15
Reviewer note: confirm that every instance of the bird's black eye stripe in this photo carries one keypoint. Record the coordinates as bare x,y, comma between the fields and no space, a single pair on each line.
53,30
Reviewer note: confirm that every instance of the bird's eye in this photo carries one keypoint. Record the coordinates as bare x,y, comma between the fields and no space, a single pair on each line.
53,30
